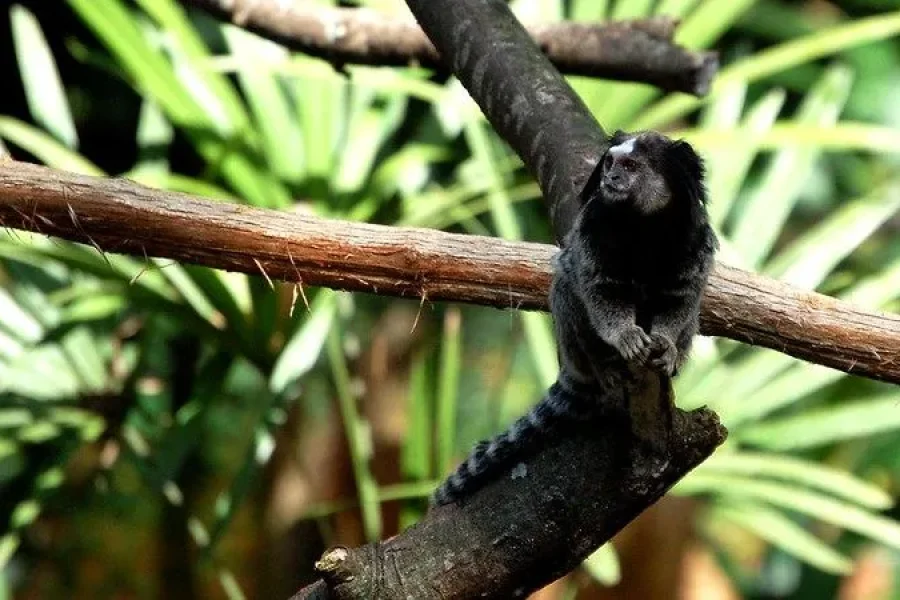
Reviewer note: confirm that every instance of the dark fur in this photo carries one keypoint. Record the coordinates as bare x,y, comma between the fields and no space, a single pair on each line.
637,278
626,288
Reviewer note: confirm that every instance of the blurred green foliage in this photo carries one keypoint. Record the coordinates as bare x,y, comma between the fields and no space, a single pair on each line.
173,399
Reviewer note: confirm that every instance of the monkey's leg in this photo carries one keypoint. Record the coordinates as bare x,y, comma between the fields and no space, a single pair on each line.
685,339
675,322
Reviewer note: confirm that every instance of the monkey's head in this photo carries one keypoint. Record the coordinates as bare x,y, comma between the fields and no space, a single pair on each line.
649,171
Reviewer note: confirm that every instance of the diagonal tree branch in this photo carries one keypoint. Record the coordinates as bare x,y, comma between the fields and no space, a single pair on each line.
120,216
525,530
523,96
640,51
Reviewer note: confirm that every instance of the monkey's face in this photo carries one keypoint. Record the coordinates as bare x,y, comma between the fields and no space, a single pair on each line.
630,174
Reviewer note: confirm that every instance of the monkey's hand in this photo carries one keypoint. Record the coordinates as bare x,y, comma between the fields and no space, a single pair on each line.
665,354
611,312
632,343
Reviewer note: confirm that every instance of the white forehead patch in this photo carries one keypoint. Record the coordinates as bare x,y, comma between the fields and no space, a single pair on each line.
623,148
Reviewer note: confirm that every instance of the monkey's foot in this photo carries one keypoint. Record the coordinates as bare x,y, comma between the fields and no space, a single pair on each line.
664,354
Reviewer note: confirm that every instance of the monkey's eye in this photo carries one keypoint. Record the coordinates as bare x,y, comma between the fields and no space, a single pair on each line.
629,165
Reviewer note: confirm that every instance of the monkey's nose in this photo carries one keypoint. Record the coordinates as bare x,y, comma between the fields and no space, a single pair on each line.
612,181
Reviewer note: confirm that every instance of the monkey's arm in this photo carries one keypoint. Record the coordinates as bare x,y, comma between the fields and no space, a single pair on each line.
612,317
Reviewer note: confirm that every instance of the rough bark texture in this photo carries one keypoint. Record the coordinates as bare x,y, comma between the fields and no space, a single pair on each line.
117,215
536,523
629,51
810,326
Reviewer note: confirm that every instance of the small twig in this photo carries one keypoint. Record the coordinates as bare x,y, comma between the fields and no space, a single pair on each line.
629,51
264,274
418,312
120,216
298,287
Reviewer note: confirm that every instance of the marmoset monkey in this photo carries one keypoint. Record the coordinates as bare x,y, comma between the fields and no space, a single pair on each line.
626,289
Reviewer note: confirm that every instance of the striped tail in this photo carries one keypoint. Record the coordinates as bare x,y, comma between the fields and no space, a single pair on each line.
524,436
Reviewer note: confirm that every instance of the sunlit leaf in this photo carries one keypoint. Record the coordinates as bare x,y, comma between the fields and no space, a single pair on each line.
763,215
827,425
782,532
730,166
282,140
43,146
774,60
302,351
603,565
795,470
809,259
794,498
40,77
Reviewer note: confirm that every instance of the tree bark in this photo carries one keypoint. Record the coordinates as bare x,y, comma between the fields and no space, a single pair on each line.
536,522
523,96
640,51
117,215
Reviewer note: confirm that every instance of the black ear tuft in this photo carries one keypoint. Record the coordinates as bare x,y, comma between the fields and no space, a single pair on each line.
684,172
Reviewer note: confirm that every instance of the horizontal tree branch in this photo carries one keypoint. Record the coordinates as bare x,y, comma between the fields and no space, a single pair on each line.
629,51
120,216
